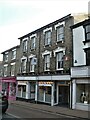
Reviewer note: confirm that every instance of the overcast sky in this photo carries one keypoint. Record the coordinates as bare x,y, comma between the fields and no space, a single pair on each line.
19,17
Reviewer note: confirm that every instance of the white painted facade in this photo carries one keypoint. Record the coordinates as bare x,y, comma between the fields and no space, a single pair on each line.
80,73
79,57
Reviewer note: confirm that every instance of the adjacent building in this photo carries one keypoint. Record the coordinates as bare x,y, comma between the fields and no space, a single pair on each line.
80,72
10,69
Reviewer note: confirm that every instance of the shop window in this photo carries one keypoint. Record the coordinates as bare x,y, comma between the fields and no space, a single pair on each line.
12,88
48,90
32,90
24,91
19,91
83,93
41,93
48,94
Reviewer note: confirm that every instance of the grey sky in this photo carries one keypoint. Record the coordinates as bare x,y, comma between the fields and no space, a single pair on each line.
19,17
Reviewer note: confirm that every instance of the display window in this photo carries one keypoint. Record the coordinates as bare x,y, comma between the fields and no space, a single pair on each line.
83,93
12,89
48,94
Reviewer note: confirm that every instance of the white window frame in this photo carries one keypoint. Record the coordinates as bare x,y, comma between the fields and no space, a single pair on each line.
31,63
24,42
60,33
12,69
47,62
59,49
33,42
23,66
87,30
32,66
59,60
5,70
14,54
23,59
47,37
6,57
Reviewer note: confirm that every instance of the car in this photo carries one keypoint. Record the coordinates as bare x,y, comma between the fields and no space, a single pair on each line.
3,102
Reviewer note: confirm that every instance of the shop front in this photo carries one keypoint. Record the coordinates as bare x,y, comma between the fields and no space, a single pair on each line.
81,94
26,89
9,87
64,93
81,87
45,92
21,89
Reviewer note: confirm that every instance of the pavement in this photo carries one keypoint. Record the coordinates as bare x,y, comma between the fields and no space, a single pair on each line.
54,109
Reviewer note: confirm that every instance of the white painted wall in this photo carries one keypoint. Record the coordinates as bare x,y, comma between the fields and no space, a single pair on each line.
78,52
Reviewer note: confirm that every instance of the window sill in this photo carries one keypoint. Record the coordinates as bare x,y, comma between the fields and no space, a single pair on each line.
47,45
60,41
13,58
60,69
86,41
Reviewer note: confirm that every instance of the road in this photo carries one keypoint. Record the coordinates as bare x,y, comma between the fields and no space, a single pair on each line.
23,112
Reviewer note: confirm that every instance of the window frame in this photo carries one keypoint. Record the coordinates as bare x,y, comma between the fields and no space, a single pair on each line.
33,42
23,67
59,60
47,62
13,70
31,66
13,54
87,31
25,45
5,71
47,38
6,57
60,33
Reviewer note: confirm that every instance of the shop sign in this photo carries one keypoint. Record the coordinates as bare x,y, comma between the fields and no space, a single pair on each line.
22,82
45,83
63,83
9,79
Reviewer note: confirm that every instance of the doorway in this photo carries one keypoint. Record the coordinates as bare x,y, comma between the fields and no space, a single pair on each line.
63,98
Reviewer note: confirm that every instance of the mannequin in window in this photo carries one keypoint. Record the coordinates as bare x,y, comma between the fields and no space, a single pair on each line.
83,97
